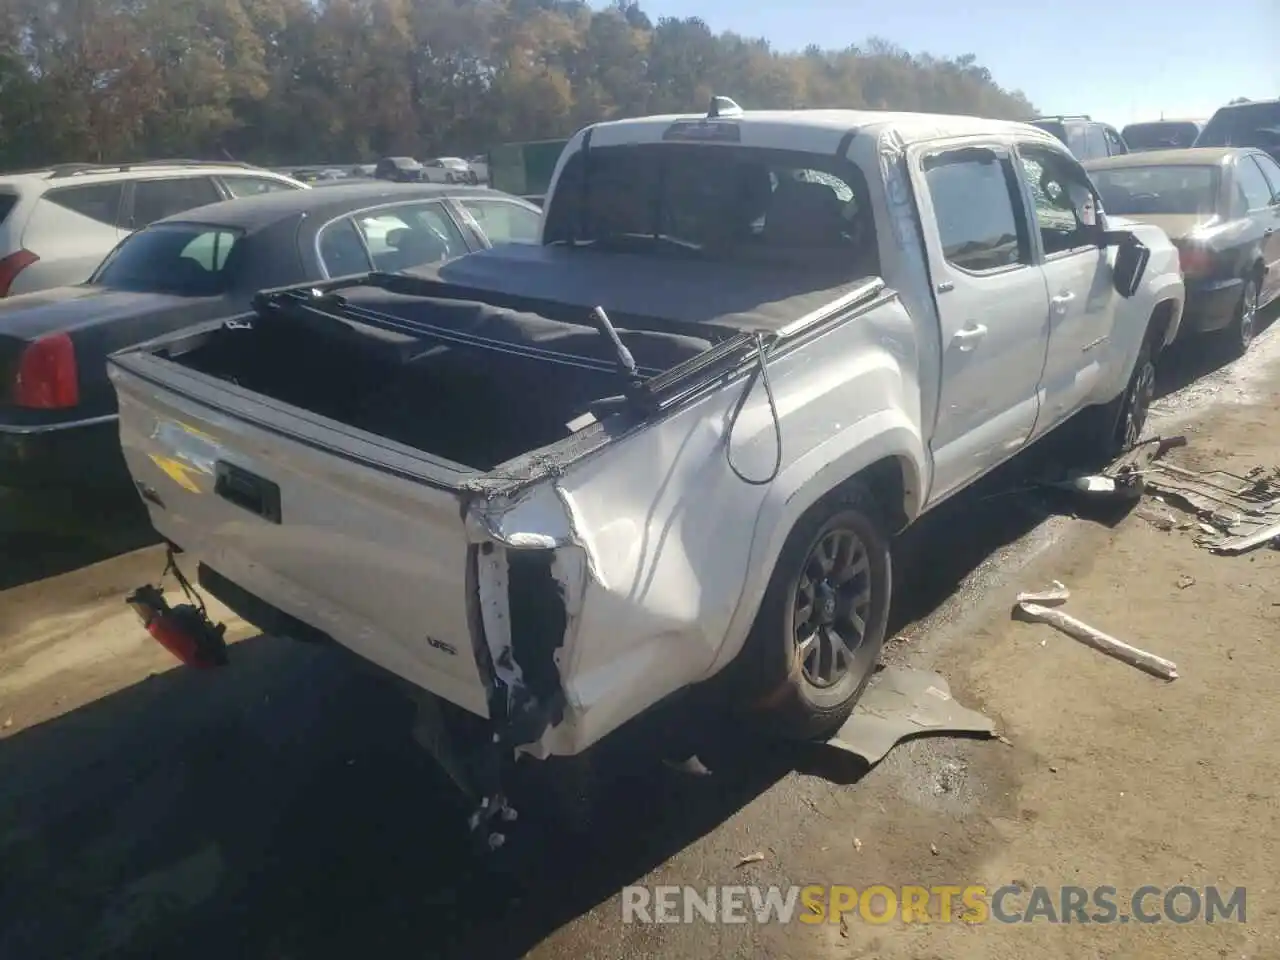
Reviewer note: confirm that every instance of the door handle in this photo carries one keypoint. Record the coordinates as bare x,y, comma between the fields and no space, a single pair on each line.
1269,231
1061,300
968,338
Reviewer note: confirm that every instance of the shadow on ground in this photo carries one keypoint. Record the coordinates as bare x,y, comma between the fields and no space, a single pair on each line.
46,533
279,808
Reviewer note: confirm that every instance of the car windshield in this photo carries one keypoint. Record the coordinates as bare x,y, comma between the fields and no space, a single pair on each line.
1155,190
187,259
1244,125
1159,135
687,200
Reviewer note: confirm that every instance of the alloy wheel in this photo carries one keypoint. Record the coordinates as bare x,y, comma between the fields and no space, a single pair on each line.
832,603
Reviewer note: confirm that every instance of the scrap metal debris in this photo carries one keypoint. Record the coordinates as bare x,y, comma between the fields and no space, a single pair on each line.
750,858
1233,513
1039,608
902,703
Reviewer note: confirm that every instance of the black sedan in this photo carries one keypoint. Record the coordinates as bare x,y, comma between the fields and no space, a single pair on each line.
57,408
1221,208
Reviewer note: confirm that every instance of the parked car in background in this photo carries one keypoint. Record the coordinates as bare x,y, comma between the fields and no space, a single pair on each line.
450,170
364,170
1221,207
400,170
480,164
57,412
1252,124
1161,134
57,224
1086,138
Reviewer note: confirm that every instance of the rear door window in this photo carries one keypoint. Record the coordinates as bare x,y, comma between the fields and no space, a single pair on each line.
185,259
341,249
1252,186
974,206
502,221
1095,142
409,235
156,199
1115,144
1270,169
97,201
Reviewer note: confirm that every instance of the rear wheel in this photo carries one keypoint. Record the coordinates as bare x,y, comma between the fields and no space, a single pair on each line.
822,621
1238,336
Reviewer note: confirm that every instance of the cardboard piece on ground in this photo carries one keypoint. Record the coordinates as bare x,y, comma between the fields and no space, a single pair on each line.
902,703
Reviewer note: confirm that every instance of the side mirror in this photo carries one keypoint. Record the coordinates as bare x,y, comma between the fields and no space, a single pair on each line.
1132,256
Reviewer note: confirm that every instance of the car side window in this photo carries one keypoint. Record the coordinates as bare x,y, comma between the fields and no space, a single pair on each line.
342,252
156,199
1095,142
1270,170
253,186
1077,141
97,201
1115,143
504,222
976,206
1251,185
1065,203
409,235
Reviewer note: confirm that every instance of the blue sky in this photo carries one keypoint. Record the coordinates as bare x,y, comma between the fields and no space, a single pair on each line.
1118,60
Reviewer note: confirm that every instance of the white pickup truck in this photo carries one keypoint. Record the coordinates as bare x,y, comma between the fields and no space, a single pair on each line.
549,518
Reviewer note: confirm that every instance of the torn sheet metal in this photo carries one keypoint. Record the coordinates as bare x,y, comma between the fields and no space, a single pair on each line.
1239,513
902,703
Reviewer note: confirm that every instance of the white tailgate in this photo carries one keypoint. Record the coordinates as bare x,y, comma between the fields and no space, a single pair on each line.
377,560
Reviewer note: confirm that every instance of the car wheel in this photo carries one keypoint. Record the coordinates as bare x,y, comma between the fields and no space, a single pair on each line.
1110,430
1244,326
821,624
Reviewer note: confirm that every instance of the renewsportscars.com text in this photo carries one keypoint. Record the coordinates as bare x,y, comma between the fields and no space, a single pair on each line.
971,903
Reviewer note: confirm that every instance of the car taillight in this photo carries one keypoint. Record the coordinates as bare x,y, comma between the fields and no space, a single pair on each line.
11,266
47,376
1195,261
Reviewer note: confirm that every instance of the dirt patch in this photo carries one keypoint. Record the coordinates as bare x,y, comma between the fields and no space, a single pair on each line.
1122,779
68,640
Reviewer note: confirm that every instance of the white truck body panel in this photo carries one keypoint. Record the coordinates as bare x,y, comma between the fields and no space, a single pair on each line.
661,554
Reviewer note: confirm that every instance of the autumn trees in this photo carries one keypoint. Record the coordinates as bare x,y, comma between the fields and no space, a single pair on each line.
293,81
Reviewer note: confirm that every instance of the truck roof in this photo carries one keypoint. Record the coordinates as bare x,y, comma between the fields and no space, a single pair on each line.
819,131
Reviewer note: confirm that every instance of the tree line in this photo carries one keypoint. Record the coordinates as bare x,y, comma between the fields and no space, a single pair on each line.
297,81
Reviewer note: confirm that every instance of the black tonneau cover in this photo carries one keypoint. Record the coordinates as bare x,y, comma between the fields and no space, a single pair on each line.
733,295
408,323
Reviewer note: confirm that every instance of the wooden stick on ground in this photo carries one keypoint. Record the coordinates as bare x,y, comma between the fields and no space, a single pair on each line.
1038,608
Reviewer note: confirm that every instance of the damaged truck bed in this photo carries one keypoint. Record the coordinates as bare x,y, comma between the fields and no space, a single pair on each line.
474,497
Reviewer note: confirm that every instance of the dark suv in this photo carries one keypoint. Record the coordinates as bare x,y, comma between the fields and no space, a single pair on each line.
400,170
1085,137
1254,124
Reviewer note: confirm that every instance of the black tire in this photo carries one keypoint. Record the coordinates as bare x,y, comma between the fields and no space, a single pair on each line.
1236,337
791,692
1112,429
